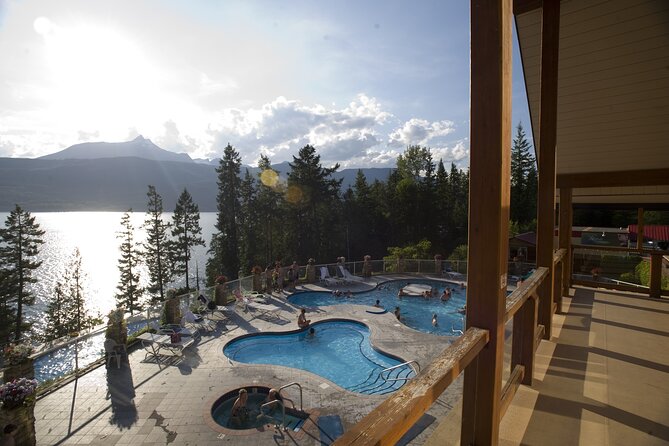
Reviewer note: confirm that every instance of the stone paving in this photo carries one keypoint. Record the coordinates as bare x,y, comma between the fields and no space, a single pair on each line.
149,403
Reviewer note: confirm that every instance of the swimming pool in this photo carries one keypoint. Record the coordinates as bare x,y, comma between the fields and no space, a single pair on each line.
340,351
416,311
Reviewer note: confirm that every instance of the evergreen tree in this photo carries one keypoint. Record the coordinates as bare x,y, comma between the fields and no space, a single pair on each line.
67,309
224,247
129,291
523,179
314,207
156,247
56,315
20,242
269,202
186,233
248,224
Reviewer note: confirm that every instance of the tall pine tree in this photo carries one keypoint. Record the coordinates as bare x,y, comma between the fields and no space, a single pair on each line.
186,233
156,247
224,247
129,292
20,242
249,225
523,180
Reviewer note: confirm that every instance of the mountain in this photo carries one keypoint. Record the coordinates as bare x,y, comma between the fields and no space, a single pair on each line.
118,184
139,147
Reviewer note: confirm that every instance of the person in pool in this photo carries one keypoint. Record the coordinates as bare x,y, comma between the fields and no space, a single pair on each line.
302,320
312,333
239,415
397,313
445,295
378,303
435,323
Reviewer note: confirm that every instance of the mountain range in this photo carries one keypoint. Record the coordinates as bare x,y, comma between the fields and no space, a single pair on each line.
103,176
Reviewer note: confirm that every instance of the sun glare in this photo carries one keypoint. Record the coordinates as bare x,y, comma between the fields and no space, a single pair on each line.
98,75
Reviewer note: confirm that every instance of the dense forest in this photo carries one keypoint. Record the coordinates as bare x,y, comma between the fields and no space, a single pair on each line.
307,215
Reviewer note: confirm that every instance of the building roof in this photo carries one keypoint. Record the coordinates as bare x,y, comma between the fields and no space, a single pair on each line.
527,237
613,96
653,232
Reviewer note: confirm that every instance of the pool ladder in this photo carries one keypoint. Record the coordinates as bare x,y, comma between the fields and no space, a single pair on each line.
411,363
283,406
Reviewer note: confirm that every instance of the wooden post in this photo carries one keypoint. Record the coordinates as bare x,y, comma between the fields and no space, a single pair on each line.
522,350
550,35
639,226
655,274
566,215
489,190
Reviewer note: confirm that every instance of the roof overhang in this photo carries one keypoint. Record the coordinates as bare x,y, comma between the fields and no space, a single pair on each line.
613,96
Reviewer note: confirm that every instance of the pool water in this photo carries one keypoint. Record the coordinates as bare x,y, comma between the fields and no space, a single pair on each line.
340,351
416,311
257,396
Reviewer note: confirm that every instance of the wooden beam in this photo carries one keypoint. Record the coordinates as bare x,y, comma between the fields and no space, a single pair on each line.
648,177
522,343
566,222
639,234
655,274
511,387
550,36
386,424
489,190
523,6
527,290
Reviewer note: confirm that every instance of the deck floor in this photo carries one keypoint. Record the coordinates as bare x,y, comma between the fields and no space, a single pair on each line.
602,379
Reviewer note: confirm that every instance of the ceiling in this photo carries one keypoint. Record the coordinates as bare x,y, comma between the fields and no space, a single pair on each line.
613,92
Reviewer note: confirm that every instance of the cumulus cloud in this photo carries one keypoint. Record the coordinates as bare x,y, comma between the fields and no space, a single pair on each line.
420,132
280,128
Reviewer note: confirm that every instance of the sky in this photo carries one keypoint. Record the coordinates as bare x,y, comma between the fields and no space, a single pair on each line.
359,80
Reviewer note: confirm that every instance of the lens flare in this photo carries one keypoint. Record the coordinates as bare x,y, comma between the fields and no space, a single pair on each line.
269,178
294,195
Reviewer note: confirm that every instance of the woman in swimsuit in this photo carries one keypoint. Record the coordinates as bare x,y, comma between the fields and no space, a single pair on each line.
239,413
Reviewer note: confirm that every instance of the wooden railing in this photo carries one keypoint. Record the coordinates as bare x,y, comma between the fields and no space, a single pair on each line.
386,424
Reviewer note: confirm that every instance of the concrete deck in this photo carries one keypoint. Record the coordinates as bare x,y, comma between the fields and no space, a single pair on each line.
147,403
602,379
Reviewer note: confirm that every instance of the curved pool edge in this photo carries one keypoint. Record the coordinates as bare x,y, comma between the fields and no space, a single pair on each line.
213,425
372,334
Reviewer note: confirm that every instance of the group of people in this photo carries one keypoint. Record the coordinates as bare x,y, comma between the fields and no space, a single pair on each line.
277,277
241,414
340,293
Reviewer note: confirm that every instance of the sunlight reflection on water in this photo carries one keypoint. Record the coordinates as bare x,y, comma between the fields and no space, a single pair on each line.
94,233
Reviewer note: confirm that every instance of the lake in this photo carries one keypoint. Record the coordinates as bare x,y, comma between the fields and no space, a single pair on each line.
94,233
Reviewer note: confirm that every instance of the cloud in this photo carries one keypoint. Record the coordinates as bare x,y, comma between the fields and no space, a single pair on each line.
420,132
172,139
280,128
85,136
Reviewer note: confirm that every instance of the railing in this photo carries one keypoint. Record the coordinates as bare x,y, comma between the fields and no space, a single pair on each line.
389,421
272,404
620,268
416,371
293,384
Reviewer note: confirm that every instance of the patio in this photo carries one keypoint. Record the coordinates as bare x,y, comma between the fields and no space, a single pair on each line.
145,402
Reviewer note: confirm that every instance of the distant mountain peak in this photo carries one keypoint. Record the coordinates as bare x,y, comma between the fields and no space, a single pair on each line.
139,147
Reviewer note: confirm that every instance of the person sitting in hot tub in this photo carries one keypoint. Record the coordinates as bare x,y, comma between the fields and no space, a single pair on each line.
239,415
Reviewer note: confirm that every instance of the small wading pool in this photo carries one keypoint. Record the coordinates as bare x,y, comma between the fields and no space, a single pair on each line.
221,409
416,311
340,351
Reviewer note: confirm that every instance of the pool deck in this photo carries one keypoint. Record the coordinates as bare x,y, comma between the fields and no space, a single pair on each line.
147,403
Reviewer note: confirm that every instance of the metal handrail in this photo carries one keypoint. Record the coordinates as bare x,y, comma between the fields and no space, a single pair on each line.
290,385
409,363
283,411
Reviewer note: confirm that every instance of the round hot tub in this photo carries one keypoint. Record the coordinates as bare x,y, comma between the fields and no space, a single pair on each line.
256,418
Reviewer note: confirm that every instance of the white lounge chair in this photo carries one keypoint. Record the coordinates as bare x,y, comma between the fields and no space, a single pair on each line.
348,276
157,345
326,278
